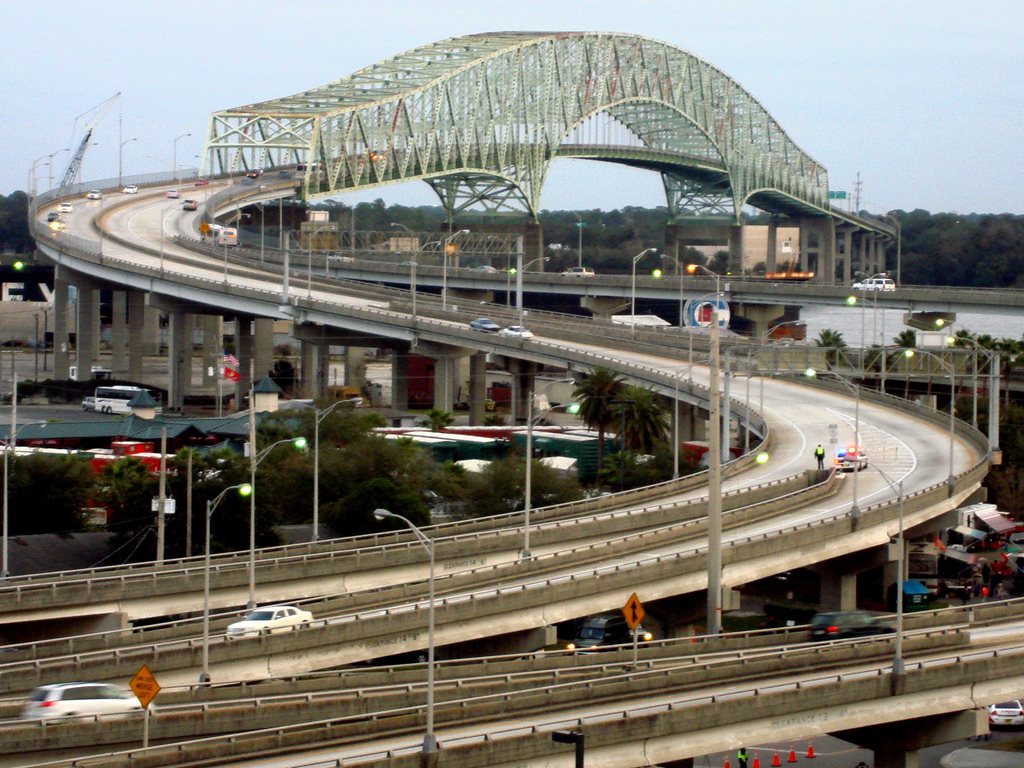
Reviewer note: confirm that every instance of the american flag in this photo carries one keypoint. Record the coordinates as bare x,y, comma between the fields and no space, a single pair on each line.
230,359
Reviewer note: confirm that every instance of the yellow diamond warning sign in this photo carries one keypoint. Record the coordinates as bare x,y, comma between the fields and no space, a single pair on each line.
633,611
145,686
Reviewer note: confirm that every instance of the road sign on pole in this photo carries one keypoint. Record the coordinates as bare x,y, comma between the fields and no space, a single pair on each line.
633,610
145,686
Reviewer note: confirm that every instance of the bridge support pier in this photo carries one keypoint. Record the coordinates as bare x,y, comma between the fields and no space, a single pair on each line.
61,345
896,745
355,367
477,388
137,315
263,349
213,349
761,317
179,359
119,333
603,306
400,380
87,339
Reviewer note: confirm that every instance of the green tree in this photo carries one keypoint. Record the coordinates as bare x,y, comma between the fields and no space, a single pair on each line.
594,395
646,419
835,343
438,419
127,488
501,487
47,493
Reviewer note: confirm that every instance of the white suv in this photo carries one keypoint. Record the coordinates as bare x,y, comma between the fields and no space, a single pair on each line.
93,194
875,284
79,700
579,272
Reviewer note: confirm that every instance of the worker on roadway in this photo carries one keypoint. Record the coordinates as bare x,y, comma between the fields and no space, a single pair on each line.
819,454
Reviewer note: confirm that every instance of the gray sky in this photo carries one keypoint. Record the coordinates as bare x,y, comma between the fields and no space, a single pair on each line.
923,98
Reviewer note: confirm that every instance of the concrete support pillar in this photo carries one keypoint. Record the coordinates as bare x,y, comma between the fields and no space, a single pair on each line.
355,367
477,388
897,745
307,368
87,339
244,343
323,369
137,314
603,306
151,331
827,250
60,325
444,387
805,245
736,249
400,380
178,359
770,257
213,349
119,333
263,351
838,591
847,257
861,266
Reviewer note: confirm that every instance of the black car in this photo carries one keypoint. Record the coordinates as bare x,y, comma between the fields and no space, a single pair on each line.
840,625
484,324
53,216
610,629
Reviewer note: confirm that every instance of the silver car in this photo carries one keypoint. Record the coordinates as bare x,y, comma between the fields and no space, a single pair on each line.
66,700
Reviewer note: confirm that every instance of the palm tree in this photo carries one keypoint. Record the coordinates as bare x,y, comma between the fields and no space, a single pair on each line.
906,339
438,419
834,341
646,418
594,395
1011,355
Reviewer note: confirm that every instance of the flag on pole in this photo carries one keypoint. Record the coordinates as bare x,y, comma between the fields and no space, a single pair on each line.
233,375
230,359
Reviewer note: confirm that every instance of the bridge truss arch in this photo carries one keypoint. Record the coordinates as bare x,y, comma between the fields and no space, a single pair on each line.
482,117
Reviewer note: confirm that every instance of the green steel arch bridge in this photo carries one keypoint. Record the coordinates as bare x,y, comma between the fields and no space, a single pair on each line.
482,117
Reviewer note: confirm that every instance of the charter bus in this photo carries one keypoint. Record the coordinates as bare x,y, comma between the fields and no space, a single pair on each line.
113,399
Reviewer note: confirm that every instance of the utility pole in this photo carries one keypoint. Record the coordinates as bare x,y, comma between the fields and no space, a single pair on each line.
160,523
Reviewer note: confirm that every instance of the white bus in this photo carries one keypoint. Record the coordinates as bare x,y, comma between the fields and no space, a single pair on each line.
113,399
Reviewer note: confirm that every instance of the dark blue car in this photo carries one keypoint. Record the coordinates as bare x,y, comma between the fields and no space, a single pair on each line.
484,324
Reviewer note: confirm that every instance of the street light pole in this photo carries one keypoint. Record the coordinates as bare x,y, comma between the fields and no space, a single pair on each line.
632,294
579,247
244,489
174,155
319,416
951,479
120,158
429,741
444,270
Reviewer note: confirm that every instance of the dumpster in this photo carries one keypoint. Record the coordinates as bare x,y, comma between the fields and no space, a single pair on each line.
915,596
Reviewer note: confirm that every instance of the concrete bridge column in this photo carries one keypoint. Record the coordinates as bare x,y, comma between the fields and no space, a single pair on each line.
178,359
307,368
827,250
355,367
399,380
87,339
896,745
603,306
263,350
60,324
137,314
862,268
444,381
761,316
323,369
805,245
213,349
477,388
847,256
151,330
119,333
879,251
838,591
736,249
244,343
770,257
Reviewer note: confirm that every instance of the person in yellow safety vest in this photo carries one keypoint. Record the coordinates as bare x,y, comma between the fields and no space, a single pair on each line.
741,757
819,454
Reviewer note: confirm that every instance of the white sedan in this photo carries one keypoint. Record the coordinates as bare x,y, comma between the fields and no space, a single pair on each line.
271,619
131,189
516,332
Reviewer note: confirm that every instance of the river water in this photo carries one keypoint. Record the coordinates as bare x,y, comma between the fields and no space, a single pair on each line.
883,325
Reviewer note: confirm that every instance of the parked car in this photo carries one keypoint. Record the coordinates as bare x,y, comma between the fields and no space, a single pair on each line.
578,272
66,207
271,619
1006,713
841,625
850,458
875,284
131,189
93,194
189,205
173,194
610,629
515,332
484,324
63,700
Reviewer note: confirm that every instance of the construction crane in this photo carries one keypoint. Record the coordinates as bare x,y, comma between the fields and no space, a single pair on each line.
76,160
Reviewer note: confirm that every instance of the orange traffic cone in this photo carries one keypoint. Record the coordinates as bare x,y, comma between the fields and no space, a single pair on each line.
810,749
775,761
792,755
727,762
757,762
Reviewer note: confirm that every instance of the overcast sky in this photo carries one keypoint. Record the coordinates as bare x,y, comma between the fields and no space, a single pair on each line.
923,98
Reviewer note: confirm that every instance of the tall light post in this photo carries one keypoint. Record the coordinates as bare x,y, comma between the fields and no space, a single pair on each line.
120,158
254,461
951,367
318,417
429,741
528,480
622,439
714,619
679,277
163,212
855,389
993,389
632,291
579,243
174,155
449,246
244,489
898,667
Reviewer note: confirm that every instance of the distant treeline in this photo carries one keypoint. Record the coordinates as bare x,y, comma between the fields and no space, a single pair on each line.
978,250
